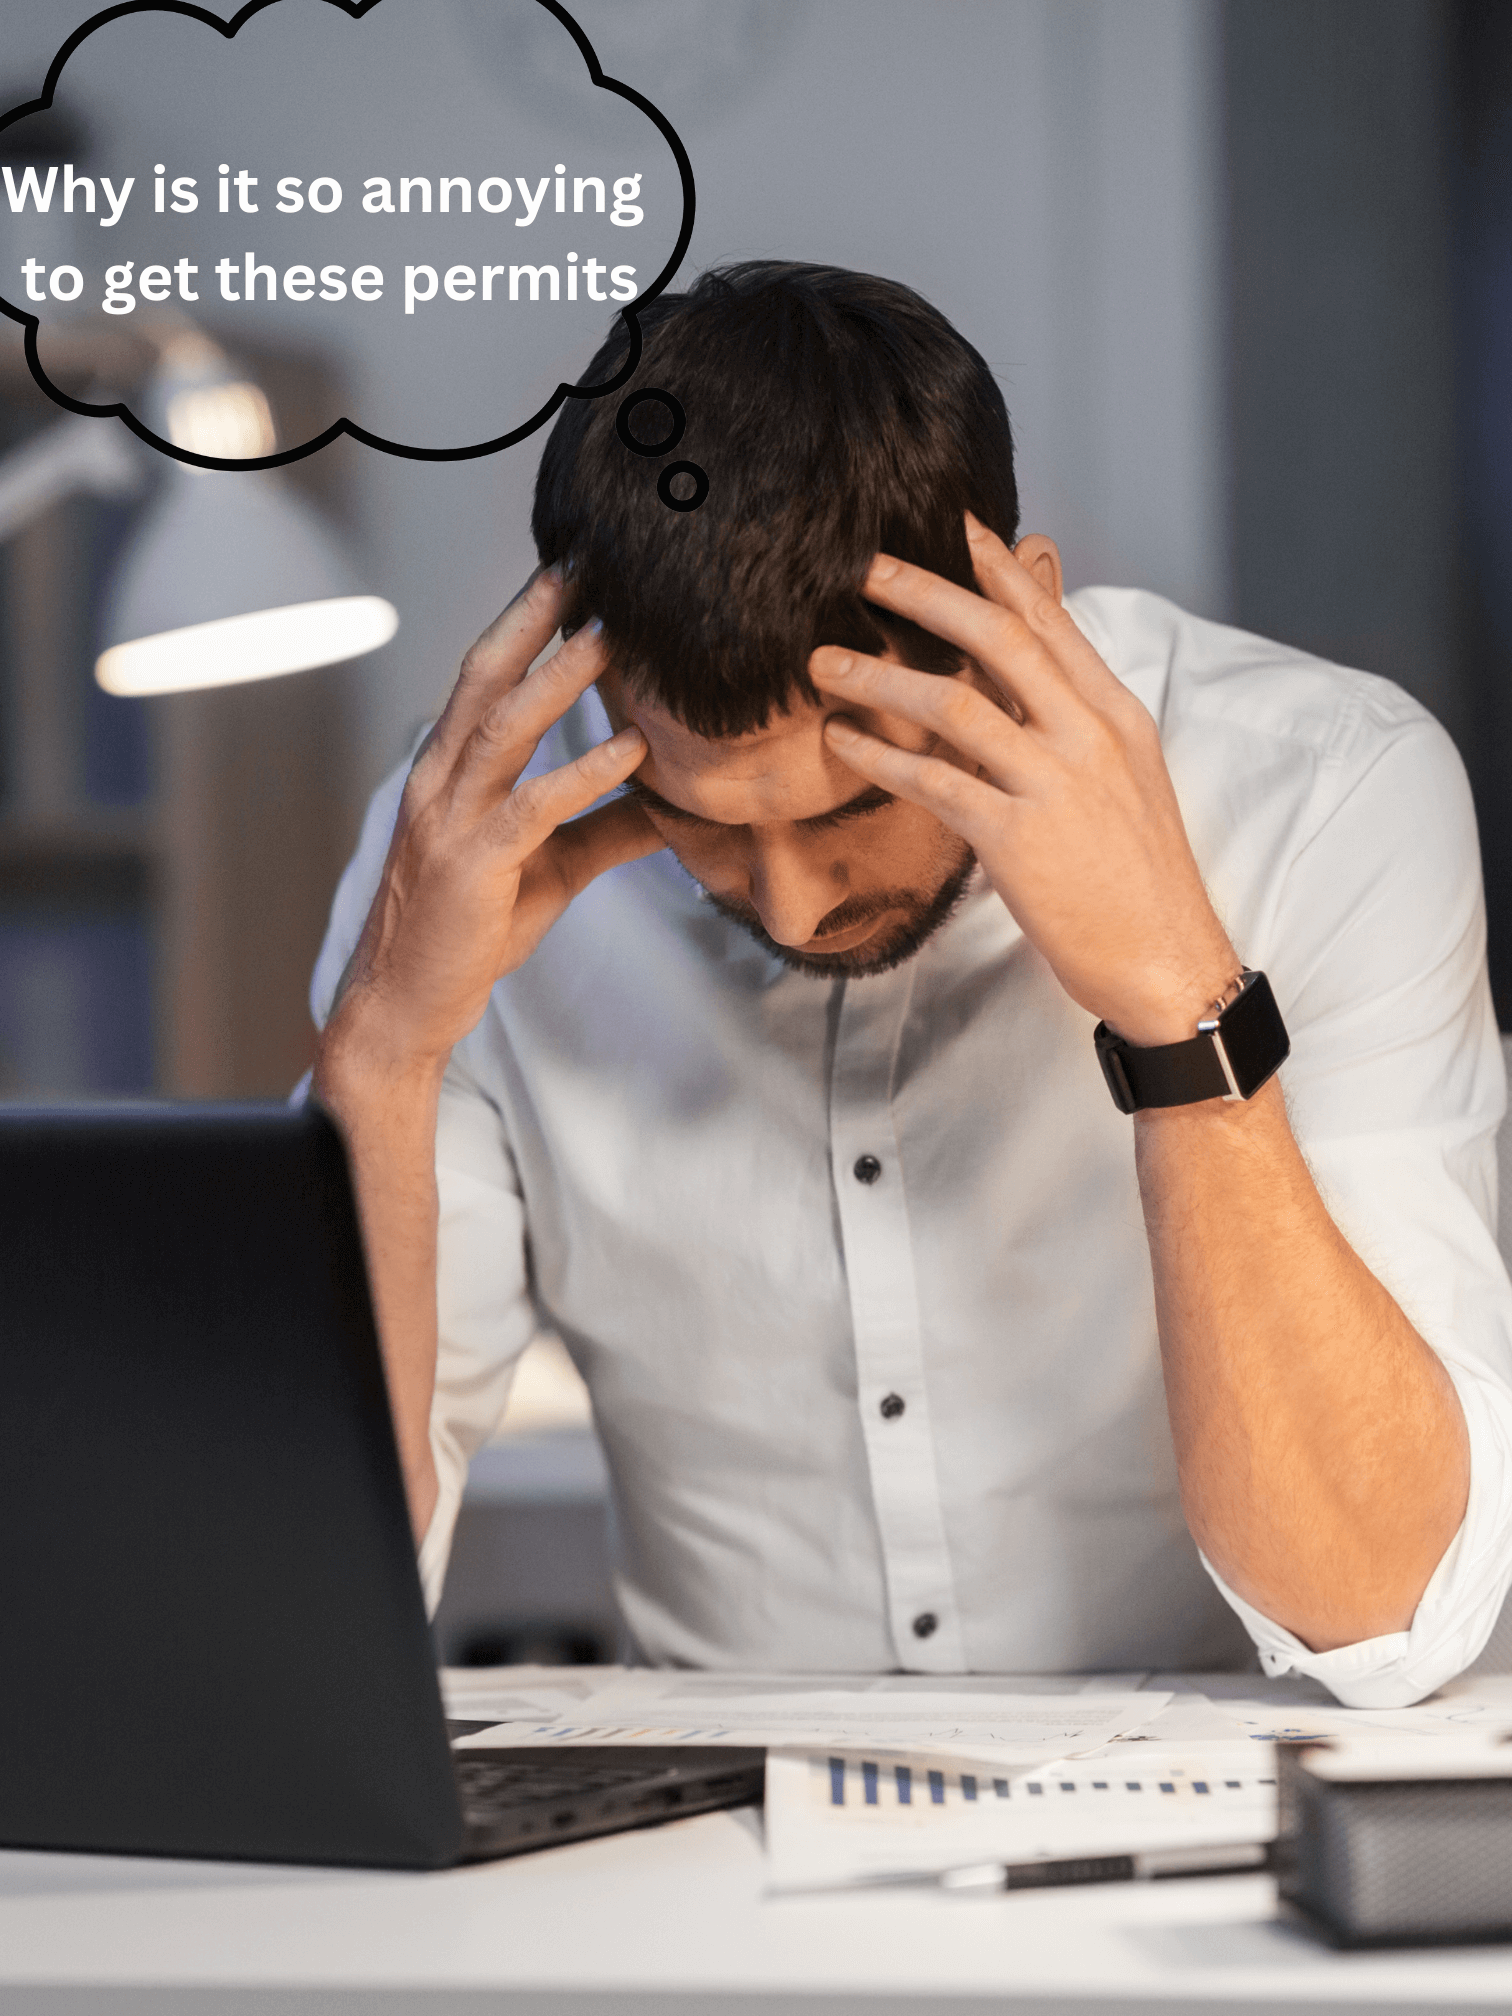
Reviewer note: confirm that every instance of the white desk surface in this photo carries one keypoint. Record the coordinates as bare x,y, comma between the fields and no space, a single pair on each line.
670,1920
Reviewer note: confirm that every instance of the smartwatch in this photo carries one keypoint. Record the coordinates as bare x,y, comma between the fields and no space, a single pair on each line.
1237,1048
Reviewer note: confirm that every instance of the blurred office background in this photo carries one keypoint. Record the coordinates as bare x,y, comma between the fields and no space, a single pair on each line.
1244,268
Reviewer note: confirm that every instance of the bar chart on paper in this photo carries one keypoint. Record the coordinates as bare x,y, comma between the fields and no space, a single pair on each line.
854,1817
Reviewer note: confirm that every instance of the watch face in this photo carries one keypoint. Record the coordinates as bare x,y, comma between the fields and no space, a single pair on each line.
1254,1036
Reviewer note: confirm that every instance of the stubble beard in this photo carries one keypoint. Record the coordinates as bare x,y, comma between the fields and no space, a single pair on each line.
923,916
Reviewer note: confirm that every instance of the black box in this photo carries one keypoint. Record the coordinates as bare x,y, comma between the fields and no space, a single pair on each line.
1392,1841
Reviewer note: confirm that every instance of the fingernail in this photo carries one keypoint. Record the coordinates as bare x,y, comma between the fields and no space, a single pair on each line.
839,727
837,664
884,568
594,626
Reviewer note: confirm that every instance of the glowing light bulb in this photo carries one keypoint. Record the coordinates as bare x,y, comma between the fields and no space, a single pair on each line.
263,644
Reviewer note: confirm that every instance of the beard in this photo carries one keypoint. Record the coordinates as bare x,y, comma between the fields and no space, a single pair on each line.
921,916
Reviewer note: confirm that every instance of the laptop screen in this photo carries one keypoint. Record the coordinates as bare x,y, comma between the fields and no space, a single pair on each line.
216,1640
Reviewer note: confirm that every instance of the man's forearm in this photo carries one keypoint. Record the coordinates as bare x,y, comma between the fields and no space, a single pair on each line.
479,867
1323,1454
386,1109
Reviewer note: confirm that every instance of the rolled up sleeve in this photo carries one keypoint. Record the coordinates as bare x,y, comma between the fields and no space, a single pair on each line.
1396,1088
1459,1608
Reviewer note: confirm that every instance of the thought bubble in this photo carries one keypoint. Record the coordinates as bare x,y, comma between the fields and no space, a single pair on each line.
368,195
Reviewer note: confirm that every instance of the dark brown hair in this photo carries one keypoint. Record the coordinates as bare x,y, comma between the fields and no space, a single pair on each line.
836,415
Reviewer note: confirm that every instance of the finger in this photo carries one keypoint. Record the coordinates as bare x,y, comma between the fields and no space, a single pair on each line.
997,637
1012,586
499,660
966,804
584,848
531,814
951,710
506,735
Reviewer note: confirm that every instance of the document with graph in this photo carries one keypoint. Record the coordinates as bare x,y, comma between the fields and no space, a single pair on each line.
841,1818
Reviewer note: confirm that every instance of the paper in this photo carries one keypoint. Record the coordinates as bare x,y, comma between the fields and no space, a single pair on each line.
1294,1709
1187,1719
504,1693
1141,1792
1453,1712
973,1720
846,1819
479,1689
1138,1758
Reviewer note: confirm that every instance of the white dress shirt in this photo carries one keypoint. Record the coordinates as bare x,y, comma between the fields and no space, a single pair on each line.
918,1421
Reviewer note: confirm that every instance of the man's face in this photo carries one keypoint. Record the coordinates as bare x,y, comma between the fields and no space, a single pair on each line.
830,873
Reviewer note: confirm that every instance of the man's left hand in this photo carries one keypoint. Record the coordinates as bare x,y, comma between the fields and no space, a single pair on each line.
1064,798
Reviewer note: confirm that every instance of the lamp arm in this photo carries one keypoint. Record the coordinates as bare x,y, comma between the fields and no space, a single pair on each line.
77,455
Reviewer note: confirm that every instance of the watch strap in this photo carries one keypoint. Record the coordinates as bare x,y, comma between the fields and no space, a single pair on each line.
1231,1057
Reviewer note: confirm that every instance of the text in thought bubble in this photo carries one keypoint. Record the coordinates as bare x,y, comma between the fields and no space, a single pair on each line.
368,195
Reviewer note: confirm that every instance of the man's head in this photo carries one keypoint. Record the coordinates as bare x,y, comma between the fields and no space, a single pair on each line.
836,415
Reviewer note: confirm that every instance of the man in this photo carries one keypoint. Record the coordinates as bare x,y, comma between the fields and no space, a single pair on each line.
907,1347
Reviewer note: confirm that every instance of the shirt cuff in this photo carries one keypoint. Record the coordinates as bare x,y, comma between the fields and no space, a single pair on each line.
1372,1673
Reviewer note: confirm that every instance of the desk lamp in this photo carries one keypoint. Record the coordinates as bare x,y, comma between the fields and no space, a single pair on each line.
231,576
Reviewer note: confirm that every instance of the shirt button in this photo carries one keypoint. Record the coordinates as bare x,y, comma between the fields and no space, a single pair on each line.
892,1406
867,1169
925,1624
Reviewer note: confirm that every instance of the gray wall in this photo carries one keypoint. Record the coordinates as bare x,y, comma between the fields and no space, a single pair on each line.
1340,349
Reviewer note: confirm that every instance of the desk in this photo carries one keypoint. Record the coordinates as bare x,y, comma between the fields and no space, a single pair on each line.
671,1922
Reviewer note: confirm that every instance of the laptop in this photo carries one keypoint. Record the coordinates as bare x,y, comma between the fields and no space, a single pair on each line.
215,1638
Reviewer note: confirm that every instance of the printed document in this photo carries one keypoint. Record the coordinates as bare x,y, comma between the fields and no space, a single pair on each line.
992,1720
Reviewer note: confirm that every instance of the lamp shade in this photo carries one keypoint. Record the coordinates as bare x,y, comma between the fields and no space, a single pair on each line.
232,576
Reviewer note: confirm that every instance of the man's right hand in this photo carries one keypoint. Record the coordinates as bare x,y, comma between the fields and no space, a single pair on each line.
480,866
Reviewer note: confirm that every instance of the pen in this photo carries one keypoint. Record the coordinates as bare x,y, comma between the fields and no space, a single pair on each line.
1147,1865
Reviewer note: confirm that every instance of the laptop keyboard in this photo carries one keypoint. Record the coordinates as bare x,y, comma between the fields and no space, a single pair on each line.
515,1800
489,1786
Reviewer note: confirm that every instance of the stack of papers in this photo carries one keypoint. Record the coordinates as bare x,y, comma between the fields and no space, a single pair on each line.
881,1778
1010,1727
